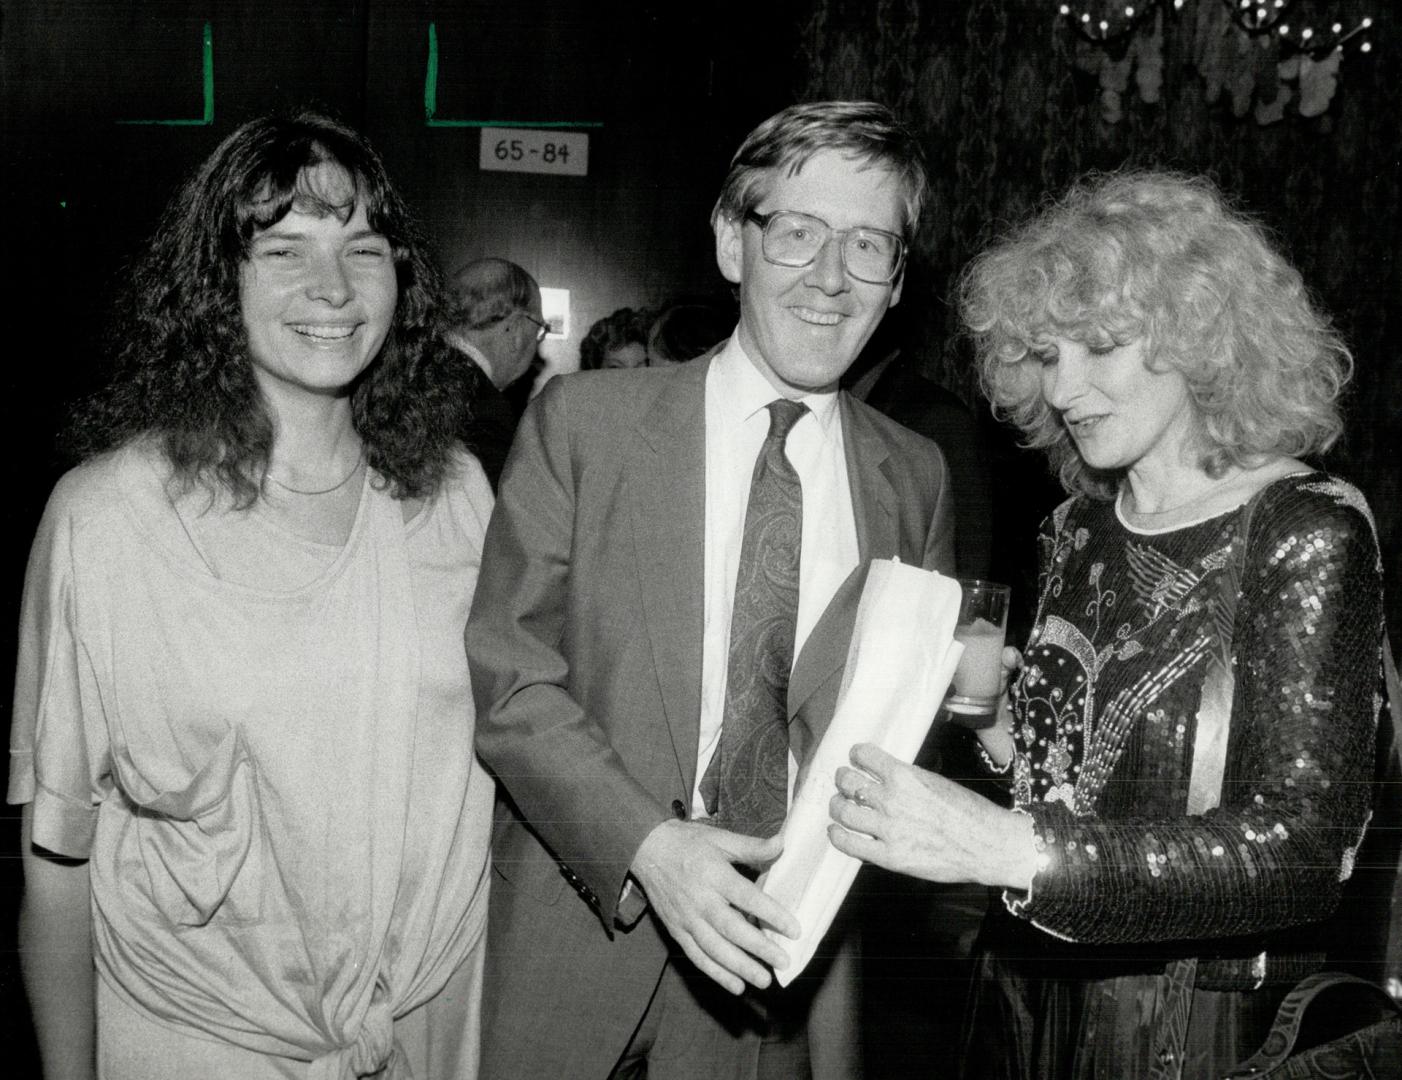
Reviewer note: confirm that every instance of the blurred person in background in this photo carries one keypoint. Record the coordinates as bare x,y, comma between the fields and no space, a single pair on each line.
496,321
618,340
686,328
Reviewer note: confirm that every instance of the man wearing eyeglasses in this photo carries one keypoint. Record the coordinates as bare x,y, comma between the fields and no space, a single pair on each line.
663,612
497,323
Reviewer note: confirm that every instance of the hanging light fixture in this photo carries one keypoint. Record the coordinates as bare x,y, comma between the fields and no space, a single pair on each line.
1229,38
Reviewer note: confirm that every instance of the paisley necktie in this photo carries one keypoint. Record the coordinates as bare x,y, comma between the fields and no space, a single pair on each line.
746,786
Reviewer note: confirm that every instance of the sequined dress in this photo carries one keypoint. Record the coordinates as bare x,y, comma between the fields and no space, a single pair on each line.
1151,653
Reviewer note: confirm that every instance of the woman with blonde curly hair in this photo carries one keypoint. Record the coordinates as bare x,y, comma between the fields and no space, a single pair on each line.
1190,734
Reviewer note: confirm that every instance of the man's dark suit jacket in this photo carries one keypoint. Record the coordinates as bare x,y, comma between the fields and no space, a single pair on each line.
585,643
926,407
491,422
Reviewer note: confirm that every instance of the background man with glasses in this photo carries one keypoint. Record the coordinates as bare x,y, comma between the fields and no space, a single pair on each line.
663,612
497,323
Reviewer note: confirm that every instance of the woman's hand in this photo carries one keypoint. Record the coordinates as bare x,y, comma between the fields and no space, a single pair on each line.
915,822
997,737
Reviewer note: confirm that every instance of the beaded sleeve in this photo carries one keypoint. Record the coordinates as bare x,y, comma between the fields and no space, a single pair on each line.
1305,654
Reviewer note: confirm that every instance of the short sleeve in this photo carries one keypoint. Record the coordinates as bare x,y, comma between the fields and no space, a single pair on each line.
59,756
461,507
480,499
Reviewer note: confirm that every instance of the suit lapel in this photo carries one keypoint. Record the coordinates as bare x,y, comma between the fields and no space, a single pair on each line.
669,505
874,506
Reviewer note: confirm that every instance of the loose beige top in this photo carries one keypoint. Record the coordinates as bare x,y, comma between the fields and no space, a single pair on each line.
264,750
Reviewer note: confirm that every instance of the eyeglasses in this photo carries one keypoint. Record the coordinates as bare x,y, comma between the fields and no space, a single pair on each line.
542,328
793,239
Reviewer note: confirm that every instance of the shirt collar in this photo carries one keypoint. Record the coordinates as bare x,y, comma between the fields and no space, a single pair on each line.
476,355
745,392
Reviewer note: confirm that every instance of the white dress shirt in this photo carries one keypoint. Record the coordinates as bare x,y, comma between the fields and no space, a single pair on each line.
737,422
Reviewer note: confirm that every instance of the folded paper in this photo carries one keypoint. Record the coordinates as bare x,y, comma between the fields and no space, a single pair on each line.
899,665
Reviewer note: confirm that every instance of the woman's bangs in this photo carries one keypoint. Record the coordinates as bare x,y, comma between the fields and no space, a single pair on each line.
296,182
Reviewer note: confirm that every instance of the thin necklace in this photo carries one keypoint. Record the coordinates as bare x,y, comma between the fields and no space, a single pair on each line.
1204,493
323,491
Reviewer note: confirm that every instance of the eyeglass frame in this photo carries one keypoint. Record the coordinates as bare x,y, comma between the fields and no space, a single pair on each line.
763,220
542,328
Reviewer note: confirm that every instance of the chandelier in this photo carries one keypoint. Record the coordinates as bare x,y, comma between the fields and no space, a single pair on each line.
1262,57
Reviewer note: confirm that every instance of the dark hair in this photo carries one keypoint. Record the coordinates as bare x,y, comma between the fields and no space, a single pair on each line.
862,130
686,328
626,326
181,370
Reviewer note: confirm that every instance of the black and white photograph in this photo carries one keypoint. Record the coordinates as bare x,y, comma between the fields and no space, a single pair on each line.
809,540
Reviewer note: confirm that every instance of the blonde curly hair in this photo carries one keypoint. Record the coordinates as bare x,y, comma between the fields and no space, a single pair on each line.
1164,258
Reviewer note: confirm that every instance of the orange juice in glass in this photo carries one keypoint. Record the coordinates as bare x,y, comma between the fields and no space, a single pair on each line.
982,625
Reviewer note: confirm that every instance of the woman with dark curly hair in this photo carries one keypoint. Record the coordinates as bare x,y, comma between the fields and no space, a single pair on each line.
1190,740
243,725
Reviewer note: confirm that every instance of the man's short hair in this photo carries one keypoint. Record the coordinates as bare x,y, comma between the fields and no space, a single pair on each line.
862,130
485,291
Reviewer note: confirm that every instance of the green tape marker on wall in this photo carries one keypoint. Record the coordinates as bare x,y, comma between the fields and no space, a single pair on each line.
208,79
431,101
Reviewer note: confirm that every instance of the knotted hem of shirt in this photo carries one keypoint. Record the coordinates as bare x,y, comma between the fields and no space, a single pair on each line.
375,1049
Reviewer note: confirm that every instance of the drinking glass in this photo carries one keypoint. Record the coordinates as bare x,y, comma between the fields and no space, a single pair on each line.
982,626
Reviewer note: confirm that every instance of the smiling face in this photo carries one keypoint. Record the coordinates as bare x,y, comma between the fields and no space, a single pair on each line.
317,294
803,326
1121,413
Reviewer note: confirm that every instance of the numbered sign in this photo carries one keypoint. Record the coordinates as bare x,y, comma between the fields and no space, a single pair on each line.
535,150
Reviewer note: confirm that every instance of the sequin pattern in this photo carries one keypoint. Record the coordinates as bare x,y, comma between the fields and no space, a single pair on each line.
1128,629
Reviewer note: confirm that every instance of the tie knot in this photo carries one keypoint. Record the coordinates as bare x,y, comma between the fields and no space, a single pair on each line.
783,415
